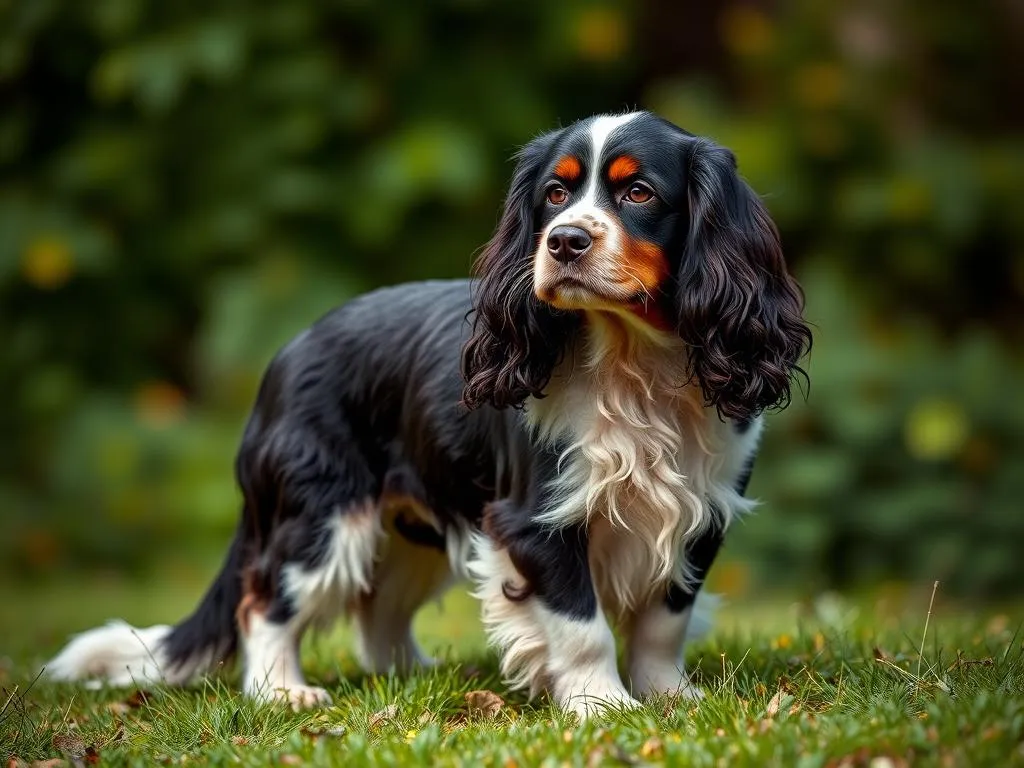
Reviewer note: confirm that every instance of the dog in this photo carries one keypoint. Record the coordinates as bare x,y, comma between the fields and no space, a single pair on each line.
572,430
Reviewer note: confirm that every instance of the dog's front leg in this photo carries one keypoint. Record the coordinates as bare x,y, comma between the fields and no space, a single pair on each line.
541,610
660,629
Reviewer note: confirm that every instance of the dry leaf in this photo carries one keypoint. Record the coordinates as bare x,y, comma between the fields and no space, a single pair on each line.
652,748
139,698
326,730
484,703
69,744
388,713
774,704
290,760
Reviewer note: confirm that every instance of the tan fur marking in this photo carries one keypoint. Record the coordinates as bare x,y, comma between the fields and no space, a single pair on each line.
568,167
622,168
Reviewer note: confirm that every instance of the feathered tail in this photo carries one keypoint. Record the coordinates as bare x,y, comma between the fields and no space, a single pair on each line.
120,655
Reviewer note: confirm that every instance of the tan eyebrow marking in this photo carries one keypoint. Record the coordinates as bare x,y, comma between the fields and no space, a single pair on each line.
622,168
568,167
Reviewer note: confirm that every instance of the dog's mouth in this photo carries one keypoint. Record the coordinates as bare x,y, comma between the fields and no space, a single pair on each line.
569,291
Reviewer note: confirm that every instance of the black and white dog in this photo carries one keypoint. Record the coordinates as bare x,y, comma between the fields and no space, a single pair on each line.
572,431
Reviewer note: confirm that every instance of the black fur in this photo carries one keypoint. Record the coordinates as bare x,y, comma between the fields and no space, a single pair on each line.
738,308
517,339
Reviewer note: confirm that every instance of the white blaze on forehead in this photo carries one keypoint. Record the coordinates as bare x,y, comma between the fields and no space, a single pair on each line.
600,129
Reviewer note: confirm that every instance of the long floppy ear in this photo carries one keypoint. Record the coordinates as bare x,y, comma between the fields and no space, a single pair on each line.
740,312
516,339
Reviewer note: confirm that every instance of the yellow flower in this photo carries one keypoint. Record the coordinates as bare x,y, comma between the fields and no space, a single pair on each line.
935,429
47,263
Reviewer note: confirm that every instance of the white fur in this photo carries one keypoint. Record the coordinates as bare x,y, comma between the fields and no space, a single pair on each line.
119,655
647,464
347,569
581,663
319,594
272,670
574,659
512,627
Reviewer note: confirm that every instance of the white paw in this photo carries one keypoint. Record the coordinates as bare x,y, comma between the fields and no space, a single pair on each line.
300,697
590,704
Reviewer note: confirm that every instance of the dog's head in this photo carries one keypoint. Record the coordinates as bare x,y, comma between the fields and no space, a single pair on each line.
631,215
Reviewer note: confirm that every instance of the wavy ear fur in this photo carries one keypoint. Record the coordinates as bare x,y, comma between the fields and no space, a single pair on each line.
740,312
516,339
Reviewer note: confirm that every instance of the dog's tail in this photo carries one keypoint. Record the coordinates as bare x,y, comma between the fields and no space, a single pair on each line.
119,654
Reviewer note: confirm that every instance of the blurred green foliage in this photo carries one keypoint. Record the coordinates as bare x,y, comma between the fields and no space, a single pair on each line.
185,186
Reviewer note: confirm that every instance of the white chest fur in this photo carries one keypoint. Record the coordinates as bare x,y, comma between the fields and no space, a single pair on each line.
645,464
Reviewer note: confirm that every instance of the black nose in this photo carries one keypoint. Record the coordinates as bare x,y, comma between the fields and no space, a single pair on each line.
566,244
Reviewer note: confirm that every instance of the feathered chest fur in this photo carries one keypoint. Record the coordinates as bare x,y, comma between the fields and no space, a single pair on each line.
647,466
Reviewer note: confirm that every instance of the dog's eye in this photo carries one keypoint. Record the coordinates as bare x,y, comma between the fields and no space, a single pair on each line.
639,193
557,195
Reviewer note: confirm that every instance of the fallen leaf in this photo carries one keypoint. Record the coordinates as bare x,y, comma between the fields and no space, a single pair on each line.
388,713
318,732
484,703
69,744
290,760
652,747
775,703
139,698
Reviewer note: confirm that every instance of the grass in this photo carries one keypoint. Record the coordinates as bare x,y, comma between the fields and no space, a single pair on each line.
834,683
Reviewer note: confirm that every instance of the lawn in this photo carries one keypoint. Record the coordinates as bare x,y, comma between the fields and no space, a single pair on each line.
829,682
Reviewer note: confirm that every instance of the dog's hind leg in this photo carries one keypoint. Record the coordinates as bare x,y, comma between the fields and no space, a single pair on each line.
314,584
412,568
320,533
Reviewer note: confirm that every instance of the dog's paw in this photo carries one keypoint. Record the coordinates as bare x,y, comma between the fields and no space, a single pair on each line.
300,697
665,680
594,703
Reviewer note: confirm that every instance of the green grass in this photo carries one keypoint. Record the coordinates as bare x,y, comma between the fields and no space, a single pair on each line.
828,684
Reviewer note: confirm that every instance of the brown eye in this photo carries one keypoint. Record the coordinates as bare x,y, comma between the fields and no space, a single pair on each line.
557,195
639,193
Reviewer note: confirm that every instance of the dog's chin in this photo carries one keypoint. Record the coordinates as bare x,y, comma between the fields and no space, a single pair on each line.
570,293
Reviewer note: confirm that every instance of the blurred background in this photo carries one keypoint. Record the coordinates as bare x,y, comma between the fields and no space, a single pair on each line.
187,185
